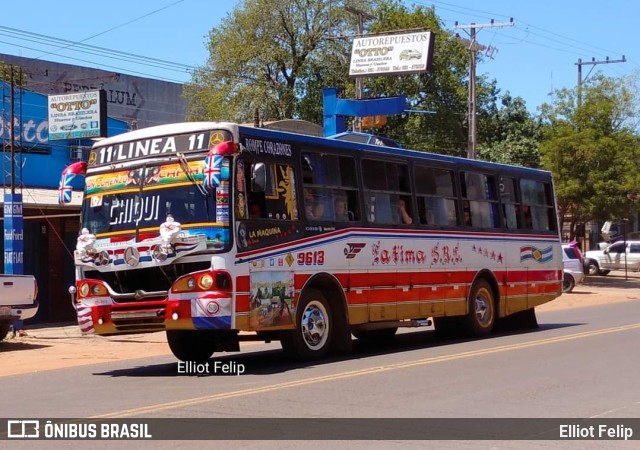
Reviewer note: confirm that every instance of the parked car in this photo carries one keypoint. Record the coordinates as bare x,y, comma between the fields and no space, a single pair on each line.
573,268
616,256
17,300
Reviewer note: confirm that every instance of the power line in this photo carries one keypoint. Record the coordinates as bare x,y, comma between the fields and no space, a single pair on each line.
90,49
113,28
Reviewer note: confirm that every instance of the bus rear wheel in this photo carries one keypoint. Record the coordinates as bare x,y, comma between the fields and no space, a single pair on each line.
191,345
311,339
481,316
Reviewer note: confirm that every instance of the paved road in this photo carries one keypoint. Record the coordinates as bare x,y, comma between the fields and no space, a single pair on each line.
580,363
53,347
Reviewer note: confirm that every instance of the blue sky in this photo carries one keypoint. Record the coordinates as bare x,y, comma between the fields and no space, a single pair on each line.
535,56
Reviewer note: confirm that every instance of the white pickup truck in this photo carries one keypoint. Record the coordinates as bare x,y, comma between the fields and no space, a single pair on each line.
17,300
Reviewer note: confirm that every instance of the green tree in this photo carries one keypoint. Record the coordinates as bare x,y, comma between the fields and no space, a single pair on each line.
19,76
511,135
273,59
593,151
439,97
268,58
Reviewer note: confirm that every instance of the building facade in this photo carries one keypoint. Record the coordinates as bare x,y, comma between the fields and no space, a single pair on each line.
33,169
50,230
140,102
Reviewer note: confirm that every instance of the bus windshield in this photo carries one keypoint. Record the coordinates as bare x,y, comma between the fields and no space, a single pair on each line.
128,204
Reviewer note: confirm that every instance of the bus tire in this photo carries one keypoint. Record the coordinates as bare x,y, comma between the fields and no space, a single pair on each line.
311,339
481,316
191,345
377,336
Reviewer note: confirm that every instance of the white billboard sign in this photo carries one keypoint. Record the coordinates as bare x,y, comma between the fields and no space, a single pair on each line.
391,54
77,115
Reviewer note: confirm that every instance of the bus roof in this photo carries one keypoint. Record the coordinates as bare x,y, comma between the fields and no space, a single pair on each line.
339,144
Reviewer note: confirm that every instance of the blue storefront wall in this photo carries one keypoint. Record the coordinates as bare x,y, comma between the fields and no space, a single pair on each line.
39,162
49,230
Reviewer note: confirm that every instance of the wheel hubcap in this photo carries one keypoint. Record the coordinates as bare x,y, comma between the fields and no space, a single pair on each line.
314,325
483,312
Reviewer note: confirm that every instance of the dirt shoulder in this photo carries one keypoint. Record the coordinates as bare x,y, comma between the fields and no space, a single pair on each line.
58,346
597,290
64,346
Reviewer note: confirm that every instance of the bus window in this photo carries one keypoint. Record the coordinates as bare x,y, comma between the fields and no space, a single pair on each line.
386,184
437,200
329,180
510,203
379,209
537,205
480,200
272,194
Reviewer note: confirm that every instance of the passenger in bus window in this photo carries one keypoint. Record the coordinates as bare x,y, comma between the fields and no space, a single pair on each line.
315,211
466,213
340,208
405,217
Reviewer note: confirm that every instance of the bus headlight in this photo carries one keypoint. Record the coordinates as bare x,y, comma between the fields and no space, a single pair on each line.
84,289
98,289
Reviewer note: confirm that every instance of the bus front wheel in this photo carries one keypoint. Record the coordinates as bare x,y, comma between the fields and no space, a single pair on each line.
481,316
311,339
187,345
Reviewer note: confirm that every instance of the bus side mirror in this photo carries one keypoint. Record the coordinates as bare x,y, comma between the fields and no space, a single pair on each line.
259,177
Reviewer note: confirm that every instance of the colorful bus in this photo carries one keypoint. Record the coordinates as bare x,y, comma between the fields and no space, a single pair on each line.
218,233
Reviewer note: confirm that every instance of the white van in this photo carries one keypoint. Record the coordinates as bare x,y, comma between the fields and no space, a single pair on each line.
573,270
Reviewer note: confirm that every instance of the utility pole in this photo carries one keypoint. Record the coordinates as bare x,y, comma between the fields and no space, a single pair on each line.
474,47
592,63
361,15
12,133
12,201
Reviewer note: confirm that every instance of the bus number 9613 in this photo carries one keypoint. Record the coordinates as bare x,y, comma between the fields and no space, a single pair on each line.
311,258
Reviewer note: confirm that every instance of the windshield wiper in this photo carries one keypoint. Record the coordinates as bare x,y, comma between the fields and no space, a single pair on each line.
184,165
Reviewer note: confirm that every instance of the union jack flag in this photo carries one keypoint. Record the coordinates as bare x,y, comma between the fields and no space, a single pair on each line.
212,165
68,174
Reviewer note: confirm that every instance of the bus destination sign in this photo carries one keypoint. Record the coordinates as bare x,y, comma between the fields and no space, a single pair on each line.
155,147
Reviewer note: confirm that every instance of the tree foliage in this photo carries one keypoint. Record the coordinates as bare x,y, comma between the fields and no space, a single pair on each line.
270,58
19,76
593,152
275,58
511,135
438,99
